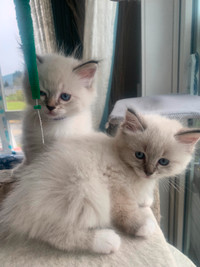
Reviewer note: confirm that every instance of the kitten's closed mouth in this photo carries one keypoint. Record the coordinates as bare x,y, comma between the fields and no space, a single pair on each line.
59,118
149,177
54,116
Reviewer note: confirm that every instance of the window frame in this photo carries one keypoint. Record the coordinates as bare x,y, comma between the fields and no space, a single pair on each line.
7,144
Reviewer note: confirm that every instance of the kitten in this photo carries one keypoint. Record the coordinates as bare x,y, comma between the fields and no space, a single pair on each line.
71,195
66,94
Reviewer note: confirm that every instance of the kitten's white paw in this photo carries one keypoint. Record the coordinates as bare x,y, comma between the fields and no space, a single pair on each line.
106,241
146,229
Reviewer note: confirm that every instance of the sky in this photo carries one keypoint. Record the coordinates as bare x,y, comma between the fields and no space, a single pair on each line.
11,58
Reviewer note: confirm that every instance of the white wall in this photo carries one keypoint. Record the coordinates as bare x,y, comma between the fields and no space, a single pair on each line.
160,29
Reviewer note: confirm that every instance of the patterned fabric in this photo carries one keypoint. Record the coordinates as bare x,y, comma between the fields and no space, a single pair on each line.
8,161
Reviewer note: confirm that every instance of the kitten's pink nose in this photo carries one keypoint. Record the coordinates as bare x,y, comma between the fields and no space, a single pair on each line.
50,108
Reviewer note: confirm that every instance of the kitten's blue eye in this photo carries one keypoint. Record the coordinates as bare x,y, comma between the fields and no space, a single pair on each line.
140,155
163,162
42,93
65,97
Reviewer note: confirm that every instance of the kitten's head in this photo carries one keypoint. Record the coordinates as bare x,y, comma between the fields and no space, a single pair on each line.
65,86
155,146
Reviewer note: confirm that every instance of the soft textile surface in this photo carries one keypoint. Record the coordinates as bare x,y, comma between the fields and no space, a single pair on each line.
133,252
181,259
177,106
8,161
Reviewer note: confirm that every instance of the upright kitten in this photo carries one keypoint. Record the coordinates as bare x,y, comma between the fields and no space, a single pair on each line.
71,195
66,95
67,91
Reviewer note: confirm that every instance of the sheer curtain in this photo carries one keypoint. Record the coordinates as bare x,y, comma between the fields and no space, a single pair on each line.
44,33
98,40
98,44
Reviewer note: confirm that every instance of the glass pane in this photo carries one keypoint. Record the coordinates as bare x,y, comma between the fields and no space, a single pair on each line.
13,91
192,208
11,59
1,148
16,133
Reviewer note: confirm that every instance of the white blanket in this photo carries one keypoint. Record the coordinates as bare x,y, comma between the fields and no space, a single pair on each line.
134,252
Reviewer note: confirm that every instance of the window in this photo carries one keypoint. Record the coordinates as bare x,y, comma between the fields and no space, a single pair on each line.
11,94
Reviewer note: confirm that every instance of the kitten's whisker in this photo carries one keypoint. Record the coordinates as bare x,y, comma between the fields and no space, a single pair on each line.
176,186
179,187
164,185
40,120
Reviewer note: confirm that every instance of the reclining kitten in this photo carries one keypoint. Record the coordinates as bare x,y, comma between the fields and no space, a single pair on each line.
71,195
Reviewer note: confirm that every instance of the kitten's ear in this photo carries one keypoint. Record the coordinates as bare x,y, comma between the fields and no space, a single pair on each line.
39,59
133,122
86,72
188,136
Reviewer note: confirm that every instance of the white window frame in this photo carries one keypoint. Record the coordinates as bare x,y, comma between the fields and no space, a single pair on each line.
9,115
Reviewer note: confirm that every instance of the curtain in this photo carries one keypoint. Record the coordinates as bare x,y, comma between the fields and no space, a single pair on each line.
44,33
127,70
98,44
68,17
78,9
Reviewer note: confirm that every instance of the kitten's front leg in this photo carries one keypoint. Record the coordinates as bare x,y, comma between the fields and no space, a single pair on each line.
128,216
147,201
145,193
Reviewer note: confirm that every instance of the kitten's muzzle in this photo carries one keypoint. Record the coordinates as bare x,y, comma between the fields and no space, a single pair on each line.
149,170
148,174
50,108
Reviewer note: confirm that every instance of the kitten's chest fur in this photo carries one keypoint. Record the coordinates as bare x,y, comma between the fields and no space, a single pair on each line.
119,175
52,130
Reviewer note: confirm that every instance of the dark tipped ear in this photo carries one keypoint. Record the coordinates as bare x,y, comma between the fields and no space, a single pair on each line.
188,136
133,122
86,72
39,59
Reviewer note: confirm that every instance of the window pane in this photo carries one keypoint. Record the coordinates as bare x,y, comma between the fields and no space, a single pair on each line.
11,58
192,200
13,91
16,133
11,74
1,148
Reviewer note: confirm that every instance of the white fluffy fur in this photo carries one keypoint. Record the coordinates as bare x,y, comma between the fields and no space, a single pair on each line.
56,76
72,194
